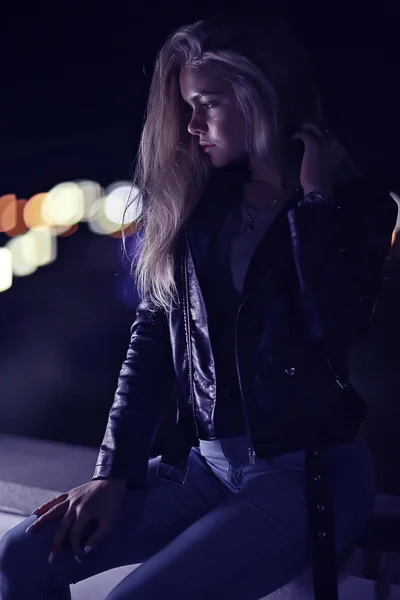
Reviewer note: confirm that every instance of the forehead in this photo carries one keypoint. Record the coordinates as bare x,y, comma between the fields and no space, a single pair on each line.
206,78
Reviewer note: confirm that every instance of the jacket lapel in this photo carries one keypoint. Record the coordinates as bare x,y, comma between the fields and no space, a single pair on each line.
273,250
203,228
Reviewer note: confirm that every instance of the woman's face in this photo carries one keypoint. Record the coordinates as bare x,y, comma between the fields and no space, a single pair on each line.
215,117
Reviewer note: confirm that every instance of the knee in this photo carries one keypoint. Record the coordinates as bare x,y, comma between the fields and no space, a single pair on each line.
17,548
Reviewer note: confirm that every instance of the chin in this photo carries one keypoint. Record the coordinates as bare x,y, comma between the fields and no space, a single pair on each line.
221,160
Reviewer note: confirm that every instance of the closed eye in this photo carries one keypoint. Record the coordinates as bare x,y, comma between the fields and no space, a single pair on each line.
211,104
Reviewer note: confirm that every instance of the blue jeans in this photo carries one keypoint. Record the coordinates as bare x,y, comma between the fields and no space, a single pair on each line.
230,531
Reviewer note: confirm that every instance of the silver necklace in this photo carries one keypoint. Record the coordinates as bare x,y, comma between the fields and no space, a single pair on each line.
249,225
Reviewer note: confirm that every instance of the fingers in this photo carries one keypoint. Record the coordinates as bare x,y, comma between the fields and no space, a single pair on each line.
95,538
318,131
315,138
62,532
75,535
54,513
49,504
311,132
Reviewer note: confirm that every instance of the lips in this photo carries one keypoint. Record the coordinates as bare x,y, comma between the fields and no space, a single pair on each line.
207,147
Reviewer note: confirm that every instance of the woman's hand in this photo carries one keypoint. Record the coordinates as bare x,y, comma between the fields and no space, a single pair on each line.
97,501
322,156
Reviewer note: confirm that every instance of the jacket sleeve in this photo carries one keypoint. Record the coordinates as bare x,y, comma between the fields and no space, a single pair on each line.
144,383
340,251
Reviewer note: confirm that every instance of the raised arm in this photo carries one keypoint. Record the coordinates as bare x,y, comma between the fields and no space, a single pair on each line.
340,249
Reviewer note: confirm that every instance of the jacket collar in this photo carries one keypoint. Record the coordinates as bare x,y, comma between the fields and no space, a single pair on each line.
222,195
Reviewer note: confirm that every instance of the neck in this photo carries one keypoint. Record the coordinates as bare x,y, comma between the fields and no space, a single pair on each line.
265,185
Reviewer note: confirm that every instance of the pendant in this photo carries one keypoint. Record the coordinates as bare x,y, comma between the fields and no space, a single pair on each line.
249,228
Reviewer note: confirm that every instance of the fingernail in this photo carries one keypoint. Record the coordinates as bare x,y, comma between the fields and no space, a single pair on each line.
29,529
87,549
51,557
78,560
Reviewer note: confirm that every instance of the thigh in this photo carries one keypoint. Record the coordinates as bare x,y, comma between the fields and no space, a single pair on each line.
150,519
257,540
246,547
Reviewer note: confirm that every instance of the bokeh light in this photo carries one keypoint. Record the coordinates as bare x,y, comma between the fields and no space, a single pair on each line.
39,247
33,211
19,226
20,265
92,191
122,203
34,224
8,212
6,275
110,213
63,205
69,231
98,221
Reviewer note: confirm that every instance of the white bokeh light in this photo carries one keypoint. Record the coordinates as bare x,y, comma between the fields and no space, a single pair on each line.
19,248
63,205
92,192
39,246
98,221
117,198
6,275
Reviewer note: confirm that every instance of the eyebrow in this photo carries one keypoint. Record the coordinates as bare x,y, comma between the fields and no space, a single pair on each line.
207,93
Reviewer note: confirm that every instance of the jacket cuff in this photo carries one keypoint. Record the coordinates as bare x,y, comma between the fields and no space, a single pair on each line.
136,480
314,198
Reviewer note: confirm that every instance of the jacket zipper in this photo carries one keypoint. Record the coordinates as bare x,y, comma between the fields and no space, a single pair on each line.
189,338
251,451
337,377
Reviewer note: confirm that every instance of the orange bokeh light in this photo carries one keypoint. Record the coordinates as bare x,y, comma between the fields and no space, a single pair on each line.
69,231
8,212
19,227
33,211
129,230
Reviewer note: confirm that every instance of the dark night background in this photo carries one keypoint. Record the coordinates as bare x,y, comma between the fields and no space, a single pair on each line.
73,90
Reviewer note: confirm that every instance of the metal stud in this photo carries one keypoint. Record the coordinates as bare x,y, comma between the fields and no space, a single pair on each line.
290,371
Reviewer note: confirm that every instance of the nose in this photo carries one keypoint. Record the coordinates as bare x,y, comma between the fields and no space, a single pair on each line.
197,126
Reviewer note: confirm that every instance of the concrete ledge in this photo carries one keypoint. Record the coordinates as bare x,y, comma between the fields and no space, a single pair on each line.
21,499
33,471
45,464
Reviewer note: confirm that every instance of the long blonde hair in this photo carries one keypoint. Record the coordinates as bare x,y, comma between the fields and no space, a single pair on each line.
274,86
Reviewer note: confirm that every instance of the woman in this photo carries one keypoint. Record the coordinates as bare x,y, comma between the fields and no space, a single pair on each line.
261,256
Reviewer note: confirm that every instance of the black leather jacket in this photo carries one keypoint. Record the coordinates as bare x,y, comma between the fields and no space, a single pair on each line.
310,291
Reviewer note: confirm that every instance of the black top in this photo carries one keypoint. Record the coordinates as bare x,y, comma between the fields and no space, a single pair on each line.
222,303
